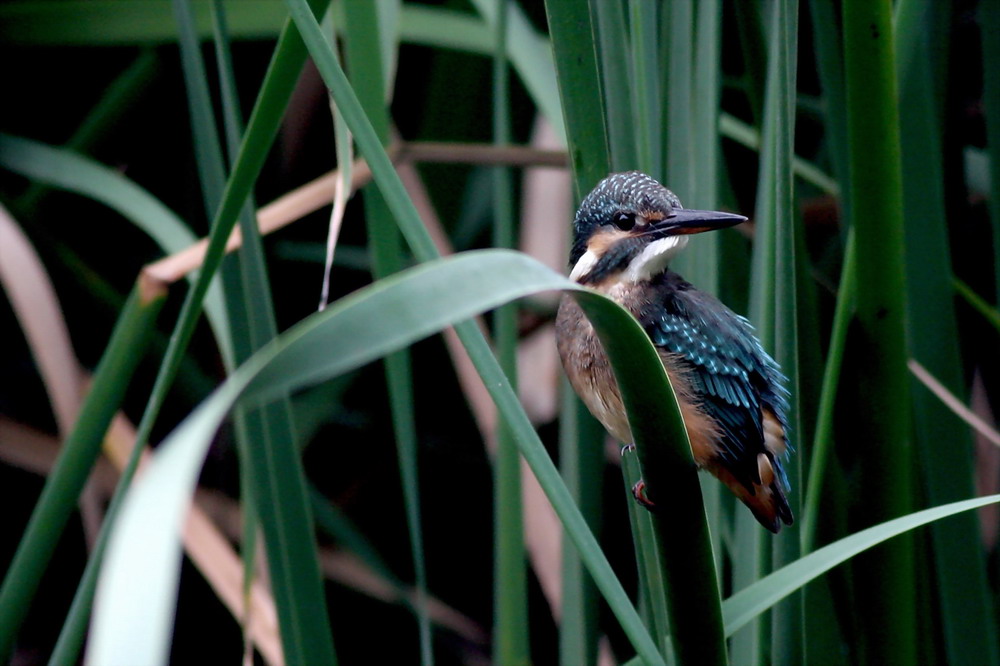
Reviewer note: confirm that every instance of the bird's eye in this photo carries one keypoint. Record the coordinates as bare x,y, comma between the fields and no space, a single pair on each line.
624,221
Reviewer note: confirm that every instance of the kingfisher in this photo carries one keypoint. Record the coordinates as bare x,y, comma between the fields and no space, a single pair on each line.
731,393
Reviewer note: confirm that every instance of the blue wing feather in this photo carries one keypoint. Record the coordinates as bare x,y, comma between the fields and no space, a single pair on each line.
730,372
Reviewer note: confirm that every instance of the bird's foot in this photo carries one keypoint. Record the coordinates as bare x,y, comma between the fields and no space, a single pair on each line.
639,493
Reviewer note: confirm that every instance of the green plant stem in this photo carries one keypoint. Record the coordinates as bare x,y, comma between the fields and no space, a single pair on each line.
609,25
822,444
681,532
978,303
581,462
579,76
649,560
366,62
62,488
511,643
677,36
886,577
645,52
270,463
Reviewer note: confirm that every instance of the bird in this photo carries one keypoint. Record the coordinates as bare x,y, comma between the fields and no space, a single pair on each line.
731,393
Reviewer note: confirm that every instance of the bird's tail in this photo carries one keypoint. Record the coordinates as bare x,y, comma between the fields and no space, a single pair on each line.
766,500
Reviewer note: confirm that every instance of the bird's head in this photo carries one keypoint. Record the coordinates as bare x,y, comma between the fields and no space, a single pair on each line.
631,225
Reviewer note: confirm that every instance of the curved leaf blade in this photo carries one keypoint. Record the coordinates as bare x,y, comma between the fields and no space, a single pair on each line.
133,623
746,604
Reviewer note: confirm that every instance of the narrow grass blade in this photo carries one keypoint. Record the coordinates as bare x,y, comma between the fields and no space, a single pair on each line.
63,486
886,582
269,458
750,602
67,170
275,92
677,34
978,303
706,75
691,50
208,150
250,305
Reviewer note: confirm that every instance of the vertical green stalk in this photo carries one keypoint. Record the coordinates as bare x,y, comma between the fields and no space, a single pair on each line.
580,91
754,52
62,488
830,67
645,86
270,461
677,37
648,559
511,643
253,308
587,41
825,484
271,102
750,557
706,73
366,62
944,443
581,458
682,542
822,443
885,576
777,299
616,81
270,465
691,109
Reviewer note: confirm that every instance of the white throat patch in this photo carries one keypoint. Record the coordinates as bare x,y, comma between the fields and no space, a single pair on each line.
654,258
583,266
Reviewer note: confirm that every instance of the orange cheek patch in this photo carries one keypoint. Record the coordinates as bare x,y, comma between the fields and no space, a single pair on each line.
602,240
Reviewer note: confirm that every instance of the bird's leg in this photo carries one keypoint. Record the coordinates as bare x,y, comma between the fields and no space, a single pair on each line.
639,489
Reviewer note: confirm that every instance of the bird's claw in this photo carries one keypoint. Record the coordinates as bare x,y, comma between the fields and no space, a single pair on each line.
639,493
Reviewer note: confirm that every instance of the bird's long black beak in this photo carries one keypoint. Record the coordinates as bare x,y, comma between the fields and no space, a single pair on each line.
687,221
